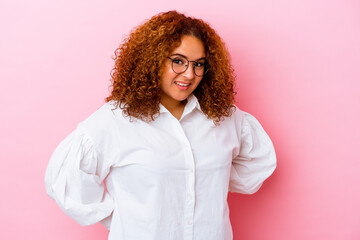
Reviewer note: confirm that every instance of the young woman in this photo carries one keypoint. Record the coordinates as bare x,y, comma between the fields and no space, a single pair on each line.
158,159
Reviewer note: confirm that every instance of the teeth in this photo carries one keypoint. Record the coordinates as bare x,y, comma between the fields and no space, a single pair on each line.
182,84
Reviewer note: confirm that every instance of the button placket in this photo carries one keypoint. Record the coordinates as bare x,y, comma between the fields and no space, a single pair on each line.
190,188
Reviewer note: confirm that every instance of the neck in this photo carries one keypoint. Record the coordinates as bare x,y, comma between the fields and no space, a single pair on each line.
176,108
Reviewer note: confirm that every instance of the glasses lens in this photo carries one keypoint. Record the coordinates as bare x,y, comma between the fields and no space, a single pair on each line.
179,64
199,68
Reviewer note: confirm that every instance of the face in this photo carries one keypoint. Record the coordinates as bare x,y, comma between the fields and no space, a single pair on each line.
175,88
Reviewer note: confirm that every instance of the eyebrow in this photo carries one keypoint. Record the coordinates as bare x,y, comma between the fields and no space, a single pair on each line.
203,58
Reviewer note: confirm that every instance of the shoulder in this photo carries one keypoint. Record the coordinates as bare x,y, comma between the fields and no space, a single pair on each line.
242,117
243,121
104,119
236,118
240,114
110,111
104,113
106,127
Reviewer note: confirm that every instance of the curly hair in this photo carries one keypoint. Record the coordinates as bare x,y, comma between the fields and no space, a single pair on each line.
138,60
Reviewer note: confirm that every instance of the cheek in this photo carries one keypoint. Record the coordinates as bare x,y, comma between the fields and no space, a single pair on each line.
198,81
167,76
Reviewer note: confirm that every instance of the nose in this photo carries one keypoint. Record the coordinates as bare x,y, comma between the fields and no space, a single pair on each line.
189,73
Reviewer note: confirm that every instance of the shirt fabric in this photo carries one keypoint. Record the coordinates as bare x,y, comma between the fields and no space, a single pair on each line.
161,180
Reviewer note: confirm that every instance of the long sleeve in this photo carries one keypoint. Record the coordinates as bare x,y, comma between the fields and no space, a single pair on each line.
256,160
74,179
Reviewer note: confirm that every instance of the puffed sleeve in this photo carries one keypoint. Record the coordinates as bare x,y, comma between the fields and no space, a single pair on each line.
74,179
256,159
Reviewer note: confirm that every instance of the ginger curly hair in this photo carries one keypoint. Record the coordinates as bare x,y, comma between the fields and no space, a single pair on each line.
138,60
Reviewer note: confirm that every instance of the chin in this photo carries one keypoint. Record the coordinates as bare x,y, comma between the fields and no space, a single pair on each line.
182,98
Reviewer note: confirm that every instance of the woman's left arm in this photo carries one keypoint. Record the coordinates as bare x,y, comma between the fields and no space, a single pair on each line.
256,159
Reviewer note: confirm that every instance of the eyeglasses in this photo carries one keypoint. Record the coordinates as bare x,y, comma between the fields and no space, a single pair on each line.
180,64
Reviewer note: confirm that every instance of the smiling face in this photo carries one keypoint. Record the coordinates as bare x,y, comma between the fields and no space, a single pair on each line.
175,88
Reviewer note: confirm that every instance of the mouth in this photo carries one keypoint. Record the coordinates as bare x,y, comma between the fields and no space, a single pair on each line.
182,84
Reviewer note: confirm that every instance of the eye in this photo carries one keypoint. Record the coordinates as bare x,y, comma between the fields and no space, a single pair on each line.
199,64
178,61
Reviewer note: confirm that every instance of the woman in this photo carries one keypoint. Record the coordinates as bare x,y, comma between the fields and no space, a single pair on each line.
158,159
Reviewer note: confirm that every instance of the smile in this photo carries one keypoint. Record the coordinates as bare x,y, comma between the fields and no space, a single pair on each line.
183,84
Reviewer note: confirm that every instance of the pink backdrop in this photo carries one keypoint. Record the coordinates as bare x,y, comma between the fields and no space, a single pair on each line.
298,70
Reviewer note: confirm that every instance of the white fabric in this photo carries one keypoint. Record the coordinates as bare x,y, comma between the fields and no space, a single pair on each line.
167,179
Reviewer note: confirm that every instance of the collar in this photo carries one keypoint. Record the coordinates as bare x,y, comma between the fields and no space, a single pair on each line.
191,104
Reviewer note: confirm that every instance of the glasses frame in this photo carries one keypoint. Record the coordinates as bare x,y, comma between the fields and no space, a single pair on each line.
187,66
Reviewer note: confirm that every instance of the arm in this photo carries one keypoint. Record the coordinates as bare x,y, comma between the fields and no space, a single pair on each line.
256,159
74,179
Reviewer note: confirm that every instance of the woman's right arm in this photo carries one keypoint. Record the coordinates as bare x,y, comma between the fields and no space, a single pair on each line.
74,179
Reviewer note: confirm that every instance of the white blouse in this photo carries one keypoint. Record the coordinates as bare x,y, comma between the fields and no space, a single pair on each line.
164,180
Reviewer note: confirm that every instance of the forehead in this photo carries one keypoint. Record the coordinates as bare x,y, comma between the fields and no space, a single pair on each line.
190,47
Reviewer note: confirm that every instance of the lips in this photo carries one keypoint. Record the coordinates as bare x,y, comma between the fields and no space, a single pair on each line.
182,84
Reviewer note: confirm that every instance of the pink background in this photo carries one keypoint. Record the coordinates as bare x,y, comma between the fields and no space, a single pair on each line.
298,71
